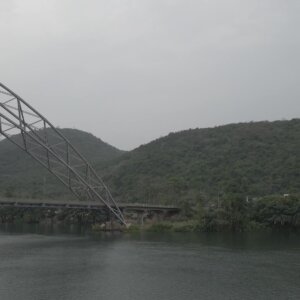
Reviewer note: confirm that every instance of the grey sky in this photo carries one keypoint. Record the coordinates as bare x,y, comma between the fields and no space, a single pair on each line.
132,71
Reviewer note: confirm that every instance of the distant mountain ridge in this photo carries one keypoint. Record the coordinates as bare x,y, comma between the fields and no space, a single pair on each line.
250,159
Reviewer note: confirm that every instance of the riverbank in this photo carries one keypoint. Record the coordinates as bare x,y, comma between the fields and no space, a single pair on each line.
189,226
234,214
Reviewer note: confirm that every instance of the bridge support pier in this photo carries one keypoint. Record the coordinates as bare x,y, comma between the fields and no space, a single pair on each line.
142,215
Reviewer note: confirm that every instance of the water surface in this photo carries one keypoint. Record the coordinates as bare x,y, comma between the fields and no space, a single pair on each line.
70,263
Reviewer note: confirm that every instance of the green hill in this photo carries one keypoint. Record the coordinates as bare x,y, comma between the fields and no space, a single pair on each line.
247,159
21,176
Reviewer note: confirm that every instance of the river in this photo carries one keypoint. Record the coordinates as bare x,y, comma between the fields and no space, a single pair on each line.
44,263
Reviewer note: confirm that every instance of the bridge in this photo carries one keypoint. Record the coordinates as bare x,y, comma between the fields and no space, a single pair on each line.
35,203
29,130
140,210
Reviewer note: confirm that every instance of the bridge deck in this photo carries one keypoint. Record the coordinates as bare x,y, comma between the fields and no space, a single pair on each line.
35,203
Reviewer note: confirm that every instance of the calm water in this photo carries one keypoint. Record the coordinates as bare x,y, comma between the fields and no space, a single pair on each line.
55,263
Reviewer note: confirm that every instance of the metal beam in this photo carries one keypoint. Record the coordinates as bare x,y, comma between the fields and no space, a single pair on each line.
33,133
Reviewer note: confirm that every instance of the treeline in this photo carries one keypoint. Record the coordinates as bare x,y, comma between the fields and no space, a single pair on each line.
239,214
236,214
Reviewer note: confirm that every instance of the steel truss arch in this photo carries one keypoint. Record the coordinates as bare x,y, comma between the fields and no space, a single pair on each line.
48,146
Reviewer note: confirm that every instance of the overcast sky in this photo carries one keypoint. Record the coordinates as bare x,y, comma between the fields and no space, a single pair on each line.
132,71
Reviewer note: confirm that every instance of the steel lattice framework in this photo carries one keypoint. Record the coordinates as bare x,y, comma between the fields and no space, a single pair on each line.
29,130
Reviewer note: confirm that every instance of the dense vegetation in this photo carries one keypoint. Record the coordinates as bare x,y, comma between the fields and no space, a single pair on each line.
21,176
238,214
249,160
230,177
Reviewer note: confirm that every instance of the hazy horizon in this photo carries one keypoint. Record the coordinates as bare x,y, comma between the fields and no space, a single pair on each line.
132,71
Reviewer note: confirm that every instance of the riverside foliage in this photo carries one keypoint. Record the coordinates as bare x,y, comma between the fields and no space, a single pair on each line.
236,214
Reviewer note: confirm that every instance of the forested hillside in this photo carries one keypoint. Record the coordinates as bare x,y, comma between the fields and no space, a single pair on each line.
246,159
249,159
21,176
